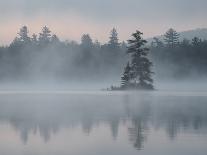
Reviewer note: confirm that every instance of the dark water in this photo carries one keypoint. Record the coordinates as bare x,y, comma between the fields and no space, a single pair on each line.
103,123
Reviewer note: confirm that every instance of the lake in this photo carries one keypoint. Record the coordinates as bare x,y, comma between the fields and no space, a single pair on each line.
103,123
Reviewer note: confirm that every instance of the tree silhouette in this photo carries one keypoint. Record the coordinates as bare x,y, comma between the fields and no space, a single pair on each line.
113,39
196,42
140,76
45,36
171,38
86,50
34,38
86,41
23,35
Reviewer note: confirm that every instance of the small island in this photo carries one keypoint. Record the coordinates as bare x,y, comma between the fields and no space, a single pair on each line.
137,73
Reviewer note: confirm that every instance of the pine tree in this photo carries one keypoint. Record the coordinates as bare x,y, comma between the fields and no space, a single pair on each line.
34,39
113,39
171,38
113,48
23,35
125,79
45,36
86,41
86,49
196,41
140,70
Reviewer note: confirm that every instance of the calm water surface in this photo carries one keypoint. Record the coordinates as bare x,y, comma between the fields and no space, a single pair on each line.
103,123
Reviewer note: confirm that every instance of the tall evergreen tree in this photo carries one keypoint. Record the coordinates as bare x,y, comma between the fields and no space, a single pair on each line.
34,38
196,41
86,50
140,76
113,48
113,39
171,38
23,35
86,41
45,36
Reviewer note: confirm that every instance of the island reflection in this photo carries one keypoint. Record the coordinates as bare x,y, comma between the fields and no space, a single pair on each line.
47,114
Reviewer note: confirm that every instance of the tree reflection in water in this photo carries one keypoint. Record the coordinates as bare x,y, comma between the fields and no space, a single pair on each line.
47,114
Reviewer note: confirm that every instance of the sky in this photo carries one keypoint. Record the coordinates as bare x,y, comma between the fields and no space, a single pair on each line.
69,19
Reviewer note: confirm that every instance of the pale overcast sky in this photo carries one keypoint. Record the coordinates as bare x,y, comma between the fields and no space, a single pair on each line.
69,19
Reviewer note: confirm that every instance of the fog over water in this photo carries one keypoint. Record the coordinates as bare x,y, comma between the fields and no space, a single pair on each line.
103,77
103,122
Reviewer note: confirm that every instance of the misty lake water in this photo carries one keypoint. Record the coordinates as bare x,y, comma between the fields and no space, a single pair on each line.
103,123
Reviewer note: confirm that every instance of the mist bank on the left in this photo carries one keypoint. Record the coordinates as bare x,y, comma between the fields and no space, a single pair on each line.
45,57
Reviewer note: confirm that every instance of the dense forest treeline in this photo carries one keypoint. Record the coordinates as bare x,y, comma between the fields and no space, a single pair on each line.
44,56
179,59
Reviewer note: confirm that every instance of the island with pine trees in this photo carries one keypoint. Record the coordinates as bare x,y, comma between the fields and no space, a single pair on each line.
137,73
